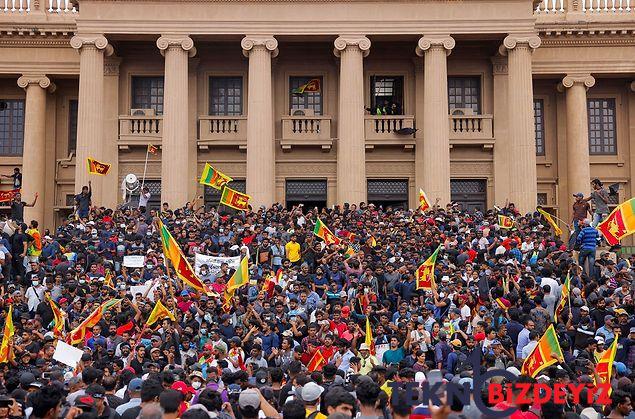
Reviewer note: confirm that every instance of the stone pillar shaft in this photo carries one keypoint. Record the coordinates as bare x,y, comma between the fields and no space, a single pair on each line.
174,144
261,161
33,173
436,131
522,140
578,161
351,147
90,111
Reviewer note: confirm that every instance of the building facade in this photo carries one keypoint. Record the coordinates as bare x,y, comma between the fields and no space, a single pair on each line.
319,101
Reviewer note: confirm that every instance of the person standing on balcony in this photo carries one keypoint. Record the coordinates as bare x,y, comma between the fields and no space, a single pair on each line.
83,201
580,210
17,207
588,241
600,199
143,199
17,178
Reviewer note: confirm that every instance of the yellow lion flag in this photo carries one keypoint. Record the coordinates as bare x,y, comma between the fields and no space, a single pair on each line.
97,168
159,312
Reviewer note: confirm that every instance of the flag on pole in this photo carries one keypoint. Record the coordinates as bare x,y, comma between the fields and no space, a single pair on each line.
240,276
5,351
604,366
214,178
234,199
323,232
182,267
312,85
541,357
505,221
424,202
425,272
564,296
369,341
620,223
78,334
108,280
58,318
550,220
159,312
152,149
373,241
97,168
317,362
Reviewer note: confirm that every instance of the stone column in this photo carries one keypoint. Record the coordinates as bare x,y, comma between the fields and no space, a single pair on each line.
436,125
90,118
174,155
111,183
351,150
578,161
261,153
502,162
522,140
33,168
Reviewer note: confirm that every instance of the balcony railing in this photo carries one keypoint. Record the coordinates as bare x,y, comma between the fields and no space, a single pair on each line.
389,130
472,130
140,130
222,130
306,130
25,6
587,7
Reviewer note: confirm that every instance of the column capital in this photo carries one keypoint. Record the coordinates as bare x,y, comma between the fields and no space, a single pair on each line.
97,41
176,41
499,65
570,80
268,42
426,43
41,80
512,41
358,41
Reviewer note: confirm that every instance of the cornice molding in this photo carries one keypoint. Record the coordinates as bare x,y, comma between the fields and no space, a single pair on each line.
425,43
586,42
28,42
268,42
351,41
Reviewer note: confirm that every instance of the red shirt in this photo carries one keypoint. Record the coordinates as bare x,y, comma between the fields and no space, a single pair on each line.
338,328
327,353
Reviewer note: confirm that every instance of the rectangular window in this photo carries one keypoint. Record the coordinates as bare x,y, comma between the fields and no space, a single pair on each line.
539,126
226,96
386,95
72,125
305,93
147,93
602,126
11,127
464,93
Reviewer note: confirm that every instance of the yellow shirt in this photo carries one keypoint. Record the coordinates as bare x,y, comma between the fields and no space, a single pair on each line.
293,251
316,416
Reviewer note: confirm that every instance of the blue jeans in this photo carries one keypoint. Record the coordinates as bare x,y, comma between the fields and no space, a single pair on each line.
574,235
587,256
597,219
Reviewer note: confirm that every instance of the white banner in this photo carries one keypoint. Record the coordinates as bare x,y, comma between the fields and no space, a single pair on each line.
67,354
133,261
214,262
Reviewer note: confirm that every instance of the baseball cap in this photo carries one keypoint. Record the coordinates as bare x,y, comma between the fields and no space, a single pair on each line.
183,388
580,194
311,391
249,398
85,401
261,378
96,391
135,384
632,330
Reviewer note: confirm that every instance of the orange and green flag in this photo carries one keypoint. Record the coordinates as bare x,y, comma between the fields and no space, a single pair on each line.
97,168
424,202
213,177
505,221
541,357
551,221
604,366
317,362
234,199
240,276
620,223
159,312
78,334
425,272
312,85
6,354
323,232
564,297
182,267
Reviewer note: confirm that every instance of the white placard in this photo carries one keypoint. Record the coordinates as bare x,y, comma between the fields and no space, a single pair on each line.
214,262
67,354
140,289
134,261
380,349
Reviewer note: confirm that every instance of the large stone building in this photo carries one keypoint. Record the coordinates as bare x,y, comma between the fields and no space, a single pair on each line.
505,99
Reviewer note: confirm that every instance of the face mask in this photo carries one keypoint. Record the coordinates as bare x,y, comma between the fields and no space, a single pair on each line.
149,266
82,281
203,331
36,283
203,272
196,385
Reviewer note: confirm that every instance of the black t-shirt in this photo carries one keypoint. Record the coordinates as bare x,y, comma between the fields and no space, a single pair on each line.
131,413
17,243
17,180
17,210
83,201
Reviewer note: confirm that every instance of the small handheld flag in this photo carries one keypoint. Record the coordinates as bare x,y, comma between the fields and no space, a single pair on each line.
424,203
213,177
235,199
620,223
152,149
541,356
323,232
425,272
505,221
159,312
550,220
97,168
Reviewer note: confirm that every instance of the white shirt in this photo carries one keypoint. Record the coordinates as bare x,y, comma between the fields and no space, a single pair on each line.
34,295
555,287
528,348
144,198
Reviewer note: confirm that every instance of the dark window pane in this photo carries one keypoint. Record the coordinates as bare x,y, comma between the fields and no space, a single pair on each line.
464,92
11,127
226,96
147,93
305,100
386,95
602,126
72,125
539,126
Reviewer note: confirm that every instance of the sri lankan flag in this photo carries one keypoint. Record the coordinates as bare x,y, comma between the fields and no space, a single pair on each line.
108,280
152,149
620,223
604,366
425,272
183,269
323,232
369,337
312,85
214,178
551,221
564,297
240,276
78,334
541,358
317,362
424,202
372,241
234,199
58,318
97,168
505,221
6,354
159,312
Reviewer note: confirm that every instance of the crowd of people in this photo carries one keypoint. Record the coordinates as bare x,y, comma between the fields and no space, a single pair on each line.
300,348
